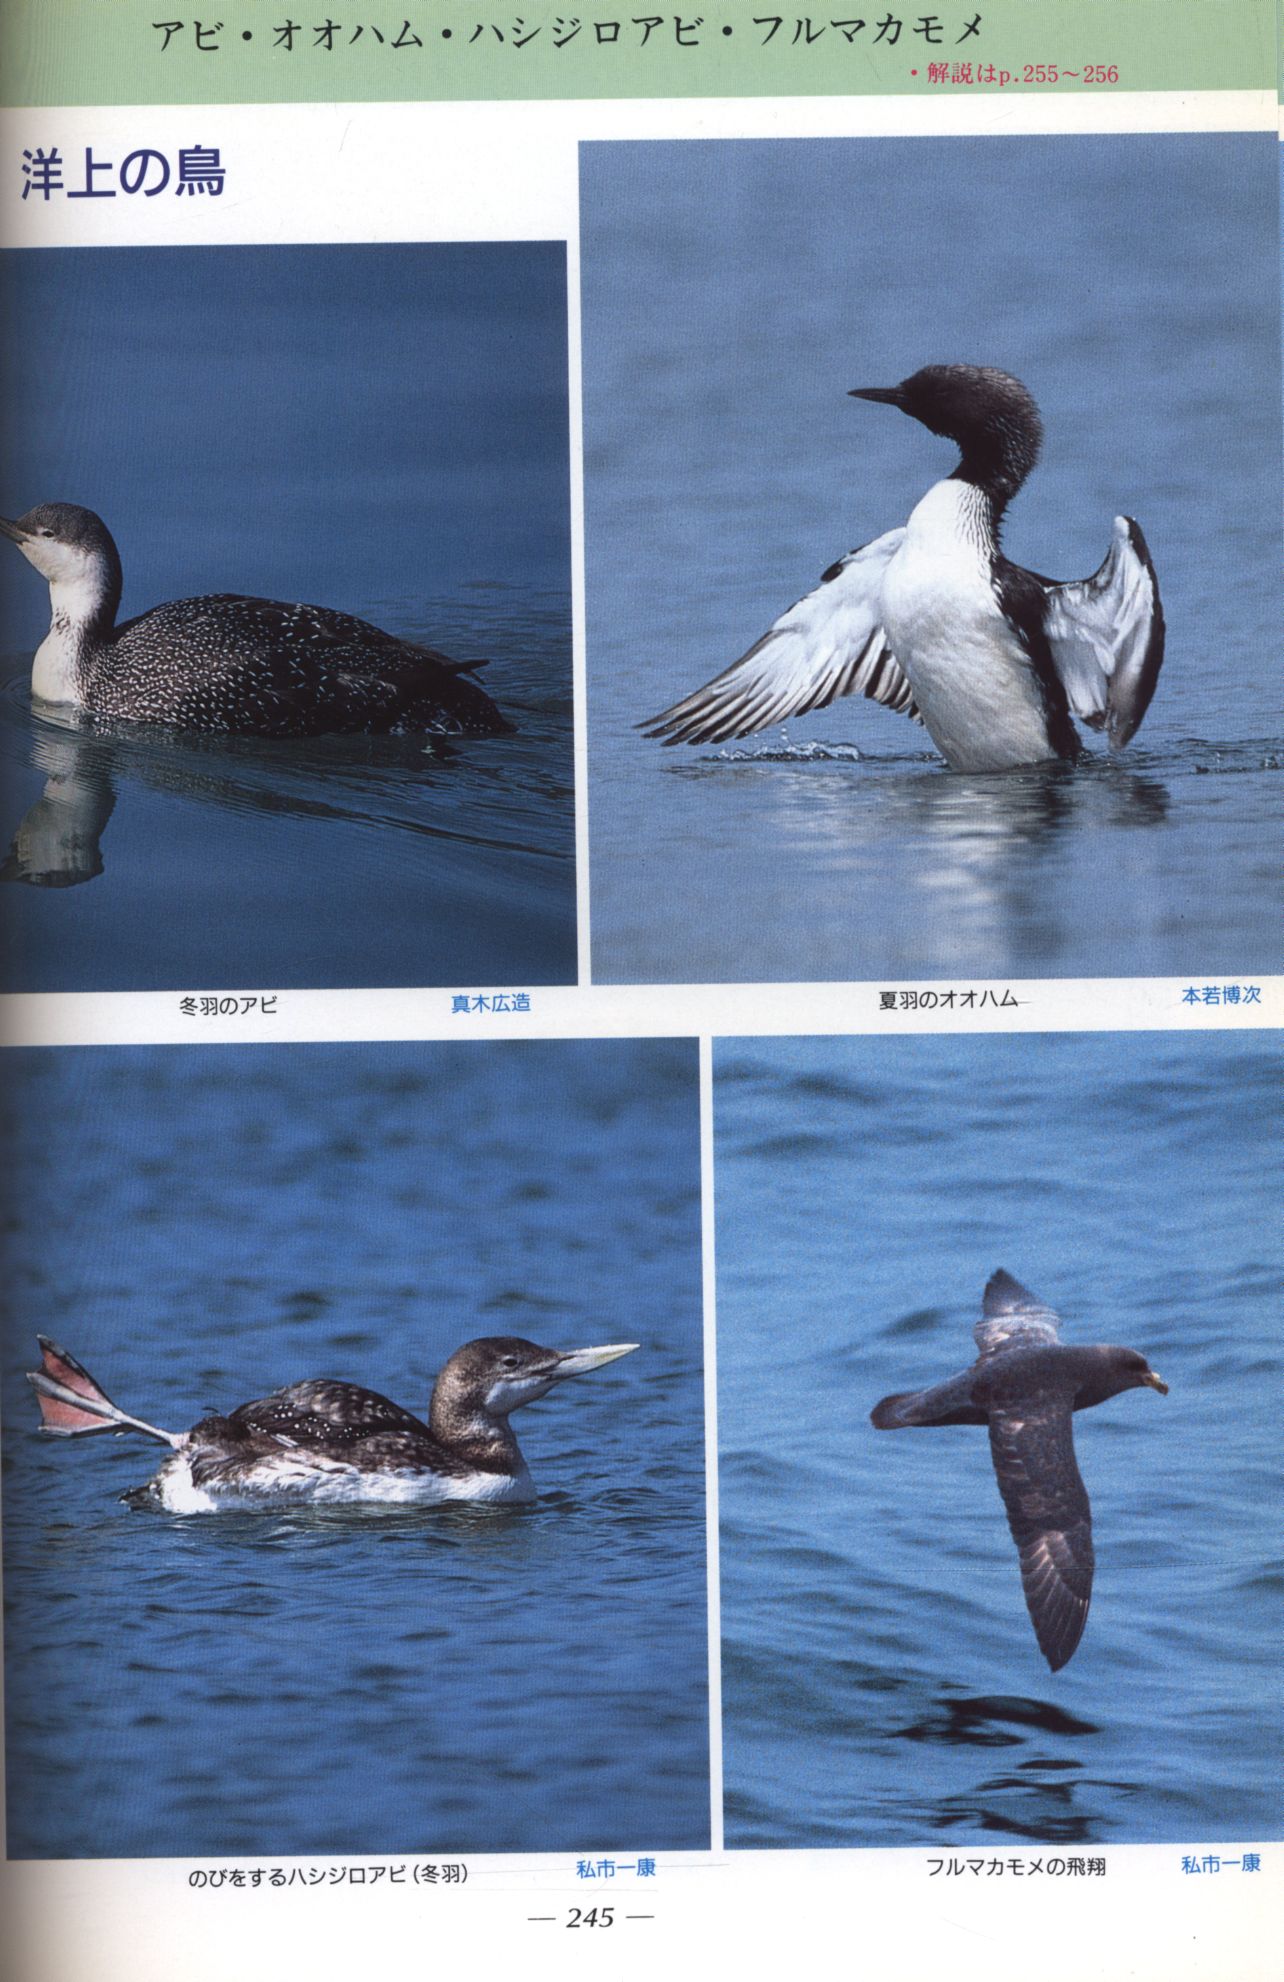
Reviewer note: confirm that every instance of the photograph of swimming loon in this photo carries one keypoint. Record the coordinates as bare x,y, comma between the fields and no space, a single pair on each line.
328,1443
304,633
939,759
1004,1511
355,1613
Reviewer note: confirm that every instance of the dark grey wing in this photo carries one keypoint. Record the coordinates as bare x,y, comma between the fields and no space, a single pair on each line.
1032,1445
1107,636
948,1403
829,644
1013,1317
323,1410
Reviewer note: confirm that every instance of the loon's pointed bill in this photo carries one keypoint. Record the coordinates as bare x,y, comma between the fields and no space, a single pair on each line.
239,666
326,1442
933,622
578,1362
1026,1386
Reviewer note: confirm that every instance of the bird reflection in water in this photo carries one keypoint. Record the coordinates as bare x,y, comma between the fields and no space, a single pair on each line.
57,843
977,861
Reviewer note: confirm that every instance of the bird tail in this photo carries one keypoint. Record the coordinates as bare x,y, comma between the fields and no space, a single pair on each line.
72,1403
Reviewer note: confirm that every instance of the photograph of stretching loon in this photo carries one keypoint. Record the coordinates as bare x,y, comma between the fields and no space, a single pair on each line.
1032,726
331,1443
329,1623
932,620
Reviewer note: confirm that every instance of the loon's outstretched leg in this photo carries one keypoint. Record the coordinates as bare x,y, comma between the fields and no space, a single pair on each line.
71,1403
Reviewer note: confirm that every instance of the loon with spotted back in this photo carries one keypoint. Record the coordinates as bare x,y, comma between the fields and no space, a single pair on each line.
329,1443
932,621
251,667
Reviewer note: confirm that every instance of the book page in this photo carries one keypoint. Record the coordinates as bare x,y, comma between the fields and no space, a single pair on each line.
642,762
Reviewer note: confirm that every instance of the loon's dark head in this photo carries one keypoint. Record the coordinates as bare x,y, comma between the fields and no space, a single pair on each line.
987,412
69,546
489,1378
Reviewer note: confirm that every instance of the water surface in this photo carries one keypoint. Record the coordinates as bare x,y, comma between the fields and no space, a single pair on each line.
381,430
201,1225
733,293
881,1681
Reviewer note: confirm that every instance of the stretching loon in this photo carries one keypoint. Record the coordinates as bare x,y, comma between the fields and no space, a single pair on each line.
325,1442
251,667
1026,1386
933,621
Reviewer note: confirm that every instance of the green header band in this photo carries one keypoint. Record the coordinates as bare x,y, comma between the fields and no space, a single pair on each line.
55,52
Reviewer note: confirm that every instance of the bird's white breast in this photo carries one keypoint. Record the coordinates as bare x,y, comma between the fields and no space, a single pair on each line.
971,677
306,1476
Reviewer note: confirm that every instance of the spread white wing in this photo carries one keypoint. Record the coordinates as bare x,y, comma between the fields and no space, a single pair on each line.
830,644
1107,636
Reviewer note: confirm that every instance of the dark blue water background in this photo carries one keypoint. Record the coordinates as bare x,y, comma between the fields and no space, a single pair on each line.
733,292
203,1224
881,1680
379,429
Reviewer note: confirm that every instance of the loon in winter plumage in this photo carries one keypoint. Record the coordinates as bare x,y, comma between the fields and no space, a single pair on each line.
931,620
1026,1386
326,1443
251,667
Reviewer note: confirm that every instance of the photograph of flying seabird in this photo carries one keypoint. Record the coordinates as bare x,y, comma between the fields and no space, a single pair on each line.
1026,1387
355,1616
881,1685
957,753
294,704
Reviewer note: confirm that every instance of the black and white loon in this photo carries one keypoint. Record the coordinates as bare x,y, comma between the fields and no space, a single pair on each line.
933,621
251,667
1026,1386
327,1443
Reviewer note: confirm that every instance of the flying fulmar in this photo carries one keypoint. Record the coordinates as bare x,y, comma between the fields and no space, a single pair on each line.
1026,1386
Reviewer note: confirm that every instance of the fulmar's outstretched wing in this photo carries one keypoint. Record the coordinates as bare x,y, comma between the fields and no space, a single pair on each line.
1048,1512
1013,1317
829,644
1032,1445
1107,636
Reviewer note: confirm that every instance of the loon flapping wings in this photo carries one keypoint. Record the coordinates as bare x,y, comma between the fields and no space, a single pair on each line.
932,621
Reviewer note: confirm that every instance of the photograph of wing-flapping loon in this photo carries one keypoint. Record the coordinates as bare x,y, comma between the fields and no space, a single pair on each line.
1026,1385
249,667
324,1442
932,621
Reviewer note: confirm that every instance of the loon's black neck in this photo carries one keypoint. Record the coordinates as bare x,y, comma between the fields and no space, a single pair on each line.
998,462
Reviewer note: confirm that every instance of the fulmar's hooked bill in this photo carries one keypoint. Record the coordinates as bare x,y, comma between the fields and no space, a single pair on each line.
1026,1387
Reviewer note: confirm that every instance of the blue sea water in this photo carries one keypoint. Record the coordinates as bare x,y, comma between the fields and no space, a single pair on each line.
379,429
200,1225
881,1681
732,294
